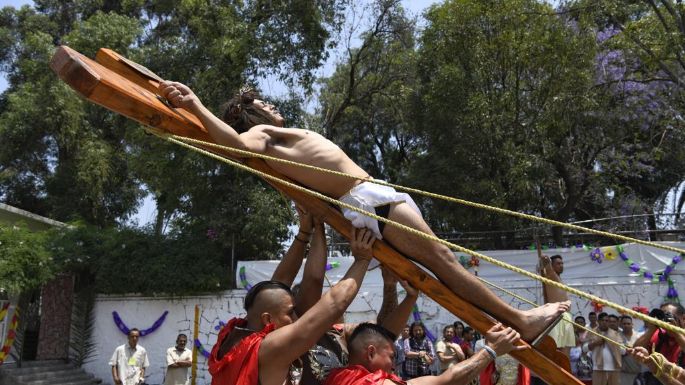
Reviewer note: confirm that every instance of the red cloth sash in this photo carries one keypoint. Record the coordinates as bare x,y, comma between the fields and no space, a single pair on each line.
240,365
359,375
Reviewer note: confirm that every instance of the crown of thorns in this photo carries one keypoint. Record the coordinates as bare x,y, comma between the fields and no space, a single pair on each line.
245,96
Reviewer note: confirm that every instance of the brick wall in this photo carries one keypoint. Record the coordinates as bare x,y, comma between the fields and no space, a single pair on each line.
57,298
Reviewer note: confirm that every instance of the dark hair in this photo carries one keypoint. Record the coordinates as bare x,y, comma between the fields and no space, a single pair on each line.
581,317
447,327
468,329
679,310
261,286
182,335
133,330
602,315
591,313
552,258
370,329
613,316
240,112
626,316
458,323
415,324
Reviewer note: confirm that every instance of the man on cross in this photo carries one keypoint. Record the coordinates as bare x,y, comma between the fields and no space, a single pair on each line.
253,125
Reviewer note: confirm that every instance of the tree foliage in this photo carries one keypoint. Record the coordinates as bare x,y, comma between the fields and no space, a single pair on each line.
68,159
26,262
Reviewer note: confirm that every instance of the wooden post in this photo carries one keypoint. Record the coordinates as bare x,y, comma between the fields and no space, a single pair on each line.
196,332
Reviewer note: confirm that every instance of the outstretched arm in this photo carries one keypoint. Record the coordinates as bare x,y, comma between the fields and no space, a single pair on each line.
500,339
314,271
389,297
180,96
669,374
551,293
292,260
396,320
284,345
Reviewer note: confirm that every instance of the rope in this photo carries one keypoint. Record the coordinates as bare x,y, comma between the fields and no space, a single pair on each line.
633,313
605,338
433,195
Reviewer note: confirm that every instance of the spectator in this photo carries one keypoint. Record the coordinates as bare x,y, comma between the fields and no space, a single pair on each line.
449,353
458,332
630,367
467,343
592,317
129,361
606,357
581,334
399,353
418,352
178,360
612,320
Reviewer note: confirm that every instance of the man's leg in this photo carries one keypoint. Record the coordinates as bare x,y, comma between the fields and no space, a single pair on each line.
442,262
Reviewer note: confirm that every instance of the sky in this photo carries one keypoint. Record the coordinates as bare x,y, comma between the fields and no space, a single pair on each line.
147,209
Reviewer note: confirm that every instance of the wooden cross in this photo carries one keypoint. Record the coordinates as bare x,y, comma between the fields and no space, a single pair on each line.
129,89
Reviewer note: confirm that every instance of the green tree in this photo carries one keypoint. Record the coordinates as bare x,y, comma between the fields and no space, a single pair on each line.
25,262
509,114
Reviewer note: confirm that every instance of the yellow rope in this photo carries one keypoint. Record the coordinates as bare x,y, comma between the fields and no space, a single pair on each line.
605,338
659,360
434,195
634,314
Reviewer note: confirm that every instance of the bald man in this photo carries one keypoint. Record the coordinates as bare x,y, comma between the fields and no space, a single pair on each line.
260,348
372,357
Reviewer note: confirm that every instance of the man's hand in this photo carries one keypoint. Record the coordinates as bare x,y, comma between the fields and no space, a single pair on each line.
362,244
179,95
642,356
411,291
502,340
306,219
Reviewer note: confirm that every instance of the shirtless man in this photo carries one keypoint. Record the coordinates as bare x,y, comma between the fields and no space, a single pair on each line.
259,349
253,125
372,356
563,333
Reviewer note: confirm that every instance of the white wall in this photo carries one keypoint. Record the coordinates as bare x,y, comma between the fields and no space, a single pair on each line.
611,280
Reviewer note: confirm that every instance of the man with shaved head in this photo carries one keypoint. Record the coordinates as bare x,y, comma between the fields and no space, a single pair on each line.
260,348
372,356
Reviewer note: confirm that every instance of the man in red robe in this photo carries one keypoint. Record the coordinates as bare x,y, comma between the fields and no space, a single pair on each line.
372,357
260,348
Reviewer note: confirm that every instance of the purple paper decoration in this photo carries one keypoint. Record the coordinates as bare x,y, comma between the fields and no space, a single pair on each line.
143,332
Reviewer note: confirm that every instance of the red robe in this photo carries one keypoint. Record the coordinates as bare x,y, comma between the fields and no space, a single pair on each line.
240,365
359,375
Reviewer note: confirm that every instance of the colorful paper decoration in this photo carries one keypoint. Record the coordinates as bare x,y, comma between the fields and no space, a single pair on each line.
609,252
672,293
201,348
243,279
4,310
597,307
124,329
641,309
11,335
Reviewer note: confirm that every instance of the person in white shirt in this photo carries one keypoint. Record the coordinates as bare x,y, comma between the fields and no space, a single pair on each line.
630,367
178,360
129,361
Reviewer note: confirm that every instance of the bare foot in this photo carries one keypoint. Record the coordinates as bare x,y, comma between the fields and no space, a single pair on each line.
540,317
